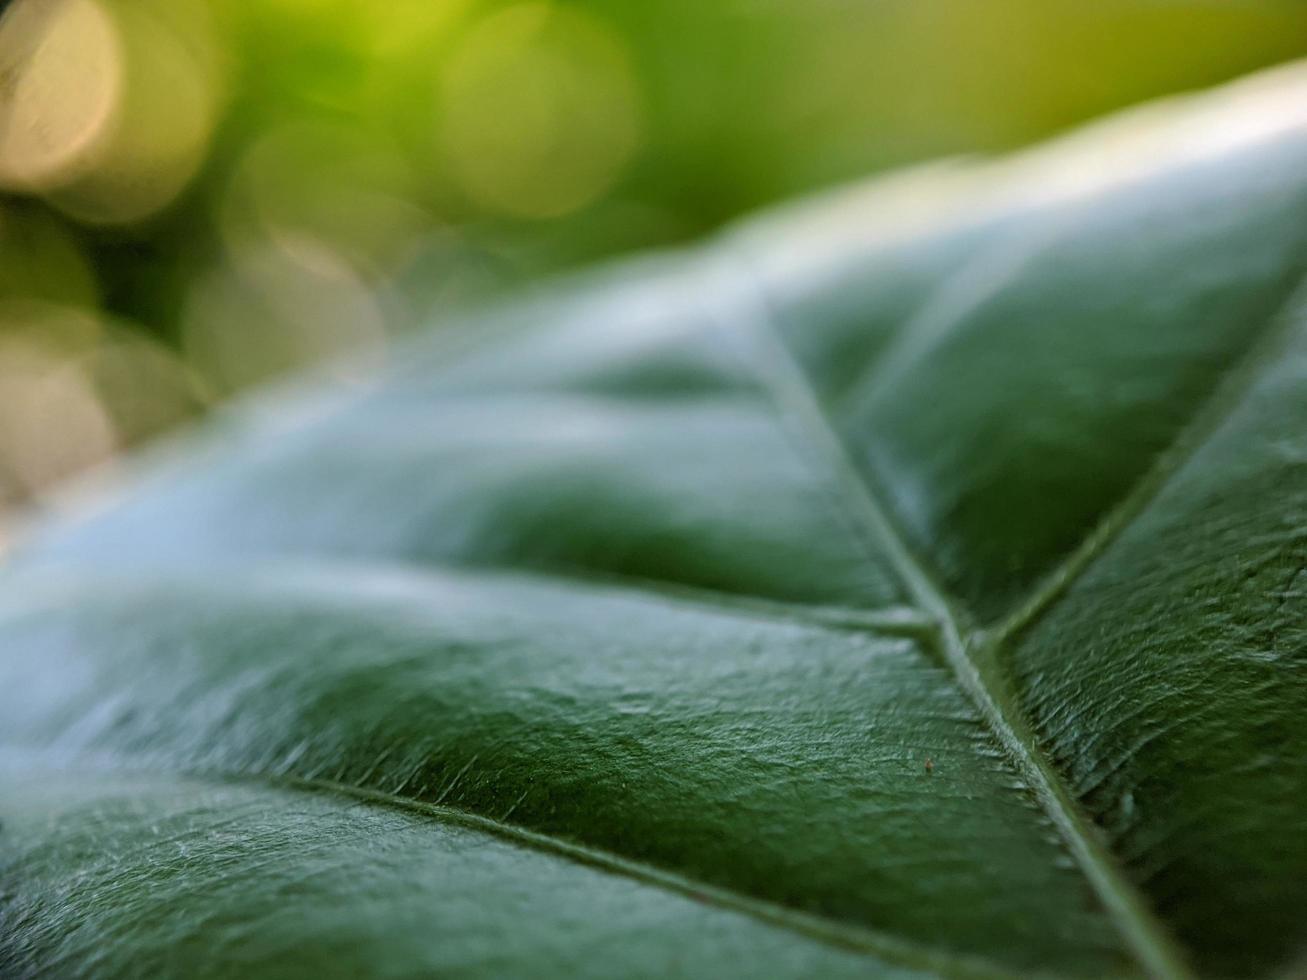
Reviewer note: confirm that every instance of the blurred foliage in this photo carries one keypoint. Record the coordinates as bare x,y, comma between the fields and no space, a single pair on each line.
200,195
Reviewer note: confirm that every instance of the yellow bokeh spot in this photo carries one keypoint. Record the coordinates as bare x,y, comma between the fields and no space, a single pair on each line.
106,106
541,111
346,188
405,27
76,388
61,82
274,308
53,422
144,386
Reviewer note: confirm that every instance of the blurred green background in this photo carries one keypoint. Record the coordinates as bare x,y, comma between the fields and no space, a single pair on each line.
199,195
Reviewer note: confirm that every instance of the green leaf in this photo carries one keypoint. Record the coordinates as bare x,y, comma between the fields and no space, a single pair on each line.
906,583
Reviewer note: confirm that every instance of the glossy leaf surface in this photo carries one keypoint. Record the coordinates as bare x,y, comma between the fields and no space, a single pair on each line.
908,583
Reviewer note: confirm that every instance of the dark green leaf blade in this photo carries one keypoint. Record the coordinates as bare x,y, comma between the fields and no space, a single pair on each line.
930,598
1184,645
117,876
662,731
618,435
1037,358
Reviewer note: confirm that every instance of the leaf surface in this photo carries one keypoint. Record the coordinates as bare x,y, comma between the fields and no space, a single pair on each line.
906,583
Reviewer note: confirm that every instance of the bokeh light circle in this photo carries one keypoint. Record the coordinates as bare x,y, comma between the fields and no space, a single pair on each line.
540,110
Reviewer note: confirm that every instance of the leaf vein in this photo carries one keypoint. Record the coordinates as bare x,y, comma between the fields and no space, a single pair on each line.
746,309
1204,423
824,930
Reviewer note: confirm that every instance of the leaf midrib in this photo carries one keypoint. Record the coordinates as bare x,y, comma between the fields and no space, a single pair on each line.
793,393
746,309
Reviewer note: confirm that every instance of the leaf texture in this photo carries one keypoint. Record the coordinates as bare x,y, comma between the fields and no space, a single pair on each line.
906,583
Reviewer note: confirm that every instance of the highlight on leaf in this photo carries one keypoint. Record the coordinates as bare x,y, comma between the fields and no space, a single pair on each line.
906,582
